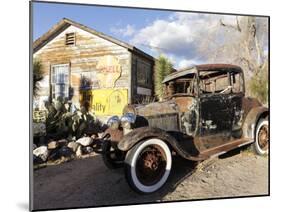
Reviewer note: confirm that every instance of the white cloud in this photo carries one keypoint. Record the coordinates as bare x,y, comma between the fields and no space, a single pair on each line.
127,31
184,63
179,34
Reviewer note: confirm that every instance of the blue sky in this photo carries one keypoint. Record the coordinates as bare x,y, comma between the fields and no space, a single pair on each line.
178,35
104,19
98,17
121,23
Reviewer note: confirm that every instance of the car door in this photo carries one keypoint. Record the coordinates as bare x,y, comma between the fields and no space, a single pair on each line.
215,112
237,94
215,119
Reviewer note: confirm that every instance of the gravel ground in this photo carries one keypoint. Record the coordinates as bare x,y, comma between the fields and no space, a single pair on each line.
87,182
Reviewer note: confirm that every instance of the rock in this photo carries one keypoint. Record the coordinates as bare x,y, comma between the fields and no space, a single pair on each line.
73,146
85,141
53,145
87,149
41,152
65,151
62,142
94,136
37,160
54,155
79,151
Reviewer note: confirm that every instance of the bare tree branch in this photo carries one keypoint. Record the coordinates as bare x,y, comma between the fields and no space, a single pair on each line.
235,27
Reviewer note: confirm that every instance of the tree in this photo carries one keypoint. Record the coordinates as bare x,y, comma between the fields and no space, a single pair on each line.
163,67
259,85
242,40
37,76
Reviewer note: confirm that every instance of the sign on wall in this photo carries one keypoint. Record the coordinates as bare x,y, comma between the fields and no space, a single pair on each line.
109,101
108,71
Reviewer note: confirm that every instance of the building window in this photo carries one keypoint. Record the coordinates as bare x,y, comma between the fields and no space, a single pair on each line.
144,76
60,81
70,39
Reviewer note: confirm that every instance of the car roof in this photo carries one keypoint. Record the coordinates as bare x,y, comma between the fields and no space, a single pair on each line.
204,67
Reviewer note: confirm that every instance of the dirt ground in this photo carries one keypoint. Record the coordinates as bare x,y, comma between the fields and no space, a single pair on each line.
87,182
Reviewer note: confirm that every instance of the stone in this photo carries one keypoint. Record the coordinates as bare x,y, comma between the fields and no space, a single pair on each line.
62,142
65,151
87,149
79,151
73,146
41,152
54,155
37,160
94,136
85,141
34,146
53,145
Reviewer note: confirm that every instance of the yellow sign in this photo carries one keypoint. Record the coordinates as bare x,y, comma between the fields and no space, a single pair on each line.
108,71
109,101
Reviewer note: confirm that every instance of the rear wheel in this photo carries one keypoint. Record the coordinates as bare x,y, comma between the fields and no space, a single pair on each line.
261,143
148,165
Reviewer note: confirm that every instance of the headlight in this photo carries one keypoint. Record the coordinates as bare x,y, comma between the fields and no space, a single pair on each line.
127,120
113,122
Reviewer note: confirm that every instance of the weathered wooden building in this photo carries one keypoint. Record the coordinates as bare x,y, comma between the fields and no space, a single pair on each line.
86,66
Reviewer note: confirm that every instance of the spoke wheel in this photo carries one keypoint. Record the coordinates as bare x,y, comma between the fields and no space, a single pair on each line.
148,165
263,137
261,144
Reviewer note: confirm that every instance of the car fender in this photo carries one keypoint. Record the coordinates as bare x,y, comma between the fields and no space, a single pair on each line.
252,119
142,133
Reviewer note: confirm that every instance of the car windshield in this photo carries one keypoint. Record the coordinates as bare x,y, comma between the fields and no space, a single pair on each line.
182,86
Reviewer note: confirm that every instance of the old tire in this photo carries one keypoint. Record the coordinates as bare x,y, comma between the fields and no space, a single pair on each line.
148,165
261,144
112,157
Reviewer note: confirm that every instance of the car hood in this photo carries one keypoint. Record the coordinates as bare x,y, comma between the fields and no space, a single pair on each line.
153,109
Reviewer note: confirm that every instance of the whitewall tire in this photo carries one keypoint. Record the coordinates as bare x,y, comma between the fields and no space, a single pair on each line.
261,143
148,165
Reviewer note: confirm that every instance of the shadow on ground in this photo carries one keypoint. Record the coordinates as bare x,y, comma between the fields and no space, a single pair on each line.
88,183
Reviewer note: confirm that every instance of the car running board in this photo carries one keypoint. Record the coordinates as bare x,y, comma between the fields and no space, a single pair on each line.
219,150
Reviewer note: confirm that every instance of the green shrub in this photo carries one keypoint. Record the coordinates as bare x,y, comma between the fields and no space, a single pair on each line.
37,76
259,85
163,67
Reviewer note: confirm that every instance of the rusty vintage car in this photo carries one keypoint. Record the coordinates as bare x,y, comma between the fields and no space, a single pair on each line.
204,113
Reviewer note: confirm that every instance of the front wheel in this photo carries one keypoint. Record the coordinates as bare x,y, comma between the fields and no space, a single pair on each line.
148,165
261,137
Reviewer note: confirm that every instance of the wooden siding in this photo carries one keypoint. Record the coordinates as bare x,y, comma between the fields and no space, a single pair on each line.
83,58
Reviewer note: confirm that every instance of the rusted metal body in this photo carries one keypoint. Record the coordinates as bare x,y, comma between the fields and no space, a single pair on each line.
205,113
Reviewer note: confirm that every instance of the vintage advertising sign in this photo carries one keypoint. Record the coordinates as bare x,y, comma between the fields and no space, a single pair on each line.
108,71
109,101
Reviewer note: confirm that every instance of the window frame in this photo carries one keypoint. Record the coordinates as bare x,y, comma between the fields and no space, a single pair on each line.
53,84
229,73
